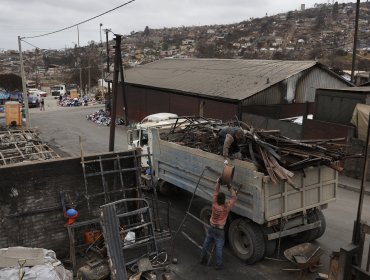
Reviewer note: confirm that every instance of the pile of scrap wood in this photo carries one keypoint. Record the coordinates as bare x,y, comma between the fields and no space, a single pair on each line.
271,152
18,146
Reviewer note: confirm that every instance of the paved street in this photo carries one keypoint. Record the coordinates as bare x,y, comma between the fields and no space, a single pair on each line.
61,128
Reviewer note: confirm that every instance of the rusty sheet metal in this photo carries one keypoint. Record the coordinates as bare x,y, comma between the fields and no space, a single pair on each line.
145,101
314,129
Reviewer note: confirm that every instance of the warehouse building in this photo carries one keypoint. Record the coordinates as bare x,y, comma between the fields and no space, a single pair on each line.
224,88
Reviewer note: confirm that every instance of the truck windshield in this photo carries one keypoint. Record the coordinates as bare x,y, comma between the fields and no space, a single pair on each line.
144,138
55,88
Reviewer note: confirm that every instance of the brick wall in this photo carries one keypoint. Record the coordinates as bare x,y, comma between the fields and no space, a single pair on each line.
30,205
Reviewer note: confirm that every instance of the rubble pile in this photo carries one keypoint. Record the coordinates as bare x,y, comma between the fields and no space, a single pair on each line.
272,153
103,117
17,146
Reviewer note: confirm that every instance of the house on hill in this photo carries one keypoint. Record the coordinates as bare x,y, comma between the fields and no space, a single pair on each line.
225,88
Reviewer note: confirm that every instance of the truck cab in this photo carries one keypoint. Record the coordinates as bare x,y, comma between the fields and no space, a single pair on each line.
58,90
140,136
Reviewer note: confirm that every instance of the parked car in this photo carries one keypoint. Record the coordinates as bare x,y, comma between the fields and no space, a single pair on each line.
38,92
33,101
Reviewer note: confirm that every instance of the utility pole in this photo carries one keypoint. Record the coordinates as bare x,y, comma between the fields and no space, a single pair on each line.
108,100
355,42
102,63
117,55
25,96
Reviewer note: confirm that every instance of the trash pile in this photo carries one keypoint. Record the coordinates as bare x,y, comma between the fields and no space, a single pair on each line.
17,146
71,102
102,117
272,153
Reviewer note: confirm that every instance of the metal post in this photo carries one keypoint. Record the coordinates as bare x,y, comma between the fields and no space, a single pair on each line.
355,42
25,96
114,95
356,234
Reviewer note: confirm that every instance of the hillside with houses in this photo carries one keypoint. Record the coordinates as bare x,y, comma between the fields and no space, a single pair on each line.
323,33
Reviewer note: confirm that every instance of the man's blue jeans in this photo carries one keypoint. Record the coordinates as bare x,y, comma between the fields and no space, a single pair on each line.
217,236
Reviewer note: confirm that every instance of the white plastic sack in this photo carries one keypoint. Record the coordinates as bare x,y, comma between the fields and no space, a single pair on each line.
51,269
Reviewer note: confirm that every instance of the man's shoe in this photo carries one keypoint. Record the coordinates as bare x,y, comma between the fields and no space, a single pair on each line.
219,267
203,261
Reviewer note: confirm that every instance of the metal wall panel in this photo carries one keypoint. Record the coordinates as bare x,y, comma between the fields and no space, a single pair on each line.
313,79
184,105
275,94
337,106
145,101
307,82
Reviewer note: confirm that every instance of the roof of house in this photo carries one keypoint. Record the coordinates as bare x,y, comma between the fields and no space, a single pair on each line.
235,79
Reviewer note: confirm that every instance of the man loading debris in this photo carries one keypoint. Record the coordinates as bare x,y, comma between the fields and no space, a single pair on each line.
220,211
229,137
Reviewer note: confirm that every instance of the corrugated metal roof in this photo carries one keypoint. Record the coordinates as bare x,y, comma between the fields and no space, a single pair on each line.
222,78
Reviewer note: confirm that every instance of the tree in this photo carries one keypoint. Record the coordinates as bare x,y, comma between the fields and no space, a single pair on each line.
146,31
205,50
10,82
335,10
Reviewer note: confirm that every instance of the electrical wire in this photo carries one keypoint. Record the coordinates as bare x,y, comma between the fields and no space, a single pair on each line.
77,24
30,44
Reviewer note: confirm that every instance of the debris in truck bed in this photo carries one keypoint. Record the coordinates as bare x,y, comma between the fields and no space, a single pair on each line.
17,146
272,153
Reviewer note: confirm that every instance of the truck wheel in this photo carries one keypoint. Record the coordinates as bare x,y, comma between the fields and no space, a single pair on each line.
205,215
247,240
308,235
166,188
319,216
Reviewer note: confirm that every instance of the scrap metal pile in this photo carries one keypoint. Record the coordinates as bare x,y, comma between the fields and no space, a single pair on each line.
272,153
17,146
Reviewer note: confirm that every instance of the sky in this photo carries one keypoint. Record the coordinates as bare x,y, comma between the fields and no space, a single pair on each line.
28,18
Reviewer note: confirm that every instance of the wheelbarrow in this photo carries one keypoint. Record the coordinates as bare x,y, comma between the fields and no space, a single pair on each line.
305,257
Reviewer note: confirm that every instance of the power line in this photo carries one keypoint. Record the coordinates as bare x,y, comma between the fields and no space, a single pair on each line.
77,24
30,44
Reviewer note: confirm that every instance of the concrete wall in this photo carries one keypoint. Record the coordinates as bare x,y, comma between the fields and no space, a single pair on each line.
30,204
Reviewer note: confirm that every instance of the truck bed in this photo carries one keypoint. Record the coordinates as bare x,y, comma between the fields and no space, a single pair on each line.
259,198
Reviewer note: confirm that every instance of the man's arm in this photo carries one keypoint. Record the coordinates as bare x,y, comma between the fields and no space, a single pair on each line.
227,144
217,190
232,200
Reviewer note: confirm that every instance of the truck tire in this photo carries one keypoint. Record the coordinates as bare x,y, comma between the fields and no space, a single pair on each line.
247,240
205,215
308,235
166,188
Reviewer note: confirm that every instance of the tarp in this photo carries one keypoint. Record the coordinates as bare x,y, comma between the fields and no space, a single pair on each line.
4,95
360,119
